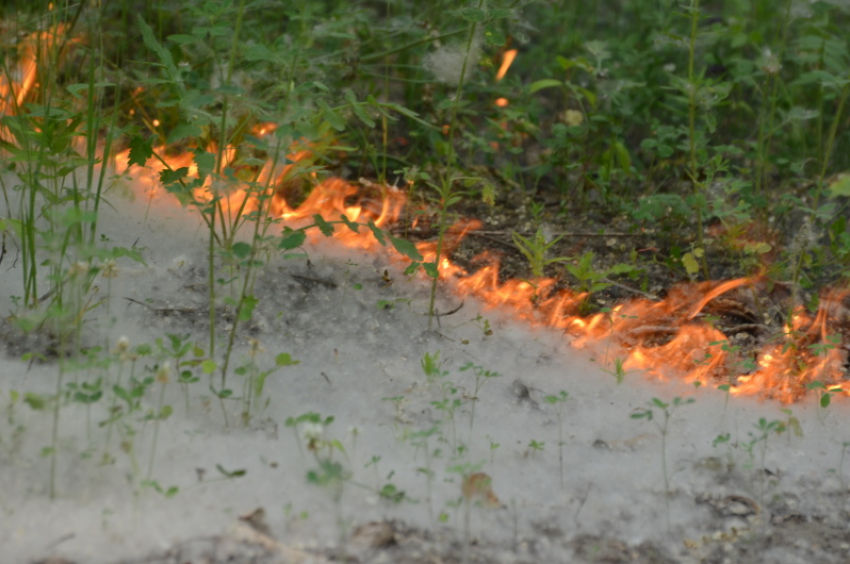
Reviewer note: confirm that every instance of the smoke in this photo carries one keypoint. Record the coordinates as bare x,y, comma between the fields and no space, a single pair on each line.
446,62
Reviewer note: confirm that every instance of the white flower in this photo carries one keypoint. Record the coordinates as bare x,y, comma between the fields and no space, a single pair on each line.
312,432
123,344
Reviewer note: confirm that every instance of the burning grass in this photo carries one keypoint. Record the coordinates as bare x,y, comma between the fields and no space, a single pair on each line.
750,335
227,119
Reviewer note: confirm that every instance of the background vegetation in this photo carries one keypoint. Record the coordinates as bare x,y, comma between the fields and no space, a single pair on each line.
716,127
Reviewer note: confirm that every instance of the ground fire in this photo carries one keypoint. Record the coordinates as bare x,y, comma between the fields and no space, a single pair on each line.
673,337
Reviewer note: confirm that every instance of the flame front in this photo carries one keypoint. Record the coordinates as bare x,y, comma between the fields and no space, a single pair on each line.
670,337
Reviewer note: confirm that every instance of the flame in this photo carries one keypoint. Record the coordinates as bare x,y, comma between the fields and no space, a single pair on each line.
507,61
666,338
20,83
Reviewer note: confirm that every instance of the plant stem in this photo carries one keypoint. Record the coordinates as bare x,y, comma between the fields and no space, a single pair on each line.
692,109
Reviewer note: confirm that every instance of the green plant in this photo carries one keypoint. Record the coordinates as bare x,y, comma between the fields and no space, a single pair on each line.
764,429
668,409
421,441
591,280
534,250
536,446
557,402
481,376
824,394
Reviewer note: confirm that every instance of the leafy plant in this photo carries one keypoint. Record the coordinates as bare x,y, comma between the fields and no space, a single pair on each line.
667,409
534,250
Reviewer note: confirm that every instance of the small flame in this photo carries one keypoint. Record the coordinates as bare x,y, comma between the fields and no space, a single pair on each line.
507,61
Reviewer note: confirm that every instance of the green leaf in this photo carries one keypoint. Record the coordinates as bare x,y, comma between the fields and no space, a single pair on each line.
205,162
334,119
285,359
248,305
182,39
541,84
208,366
405,247
841,186
690,263
140,151
292,239
379,235
472,15
183,131
230,473
326,228
355,227
35,401
76,89
357,108
241,249
431,269
167,177
494,36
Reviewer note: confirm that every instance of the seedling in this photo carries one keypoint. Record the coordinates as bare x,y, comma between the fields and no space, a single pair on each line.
481,376
765,428
557,402
536,446
823,393
648,414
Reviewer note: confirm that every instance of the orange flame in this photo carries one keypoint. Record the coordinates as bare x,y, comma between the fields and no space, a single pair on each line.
20,82
664,338
507,61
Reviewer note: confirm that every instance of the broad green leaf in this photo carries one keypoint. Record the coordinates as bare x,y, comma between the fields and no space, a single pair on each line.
431,269
140,151
241,249
355,227
690,263
326,228
379,235
183,131
285,359
292,239
405,247
167,177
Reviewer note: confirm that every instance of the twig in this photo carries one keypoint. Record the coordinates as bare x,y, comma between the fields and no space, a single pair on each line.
308,281
163,310
633,290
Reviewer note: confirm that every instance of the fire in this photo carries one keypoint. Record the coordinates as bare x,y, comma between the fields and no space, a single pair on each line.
35,51
666,338
507,61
